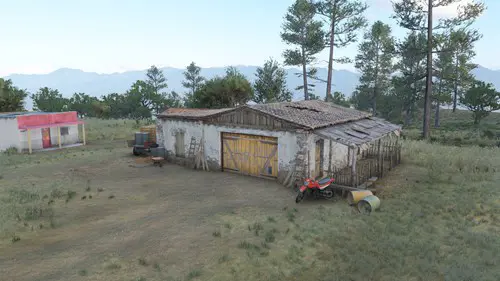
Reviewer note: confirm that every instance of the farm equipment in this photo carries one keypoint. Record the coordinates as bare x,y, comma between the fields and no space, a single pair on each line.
319,189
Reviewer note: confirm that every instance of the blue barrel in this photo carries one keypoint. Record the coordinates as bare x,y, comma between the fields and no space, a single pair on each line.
141,137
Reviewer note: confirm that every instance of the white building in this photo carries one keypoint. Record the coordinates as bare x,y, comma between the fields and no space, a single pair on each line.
39,130
310,138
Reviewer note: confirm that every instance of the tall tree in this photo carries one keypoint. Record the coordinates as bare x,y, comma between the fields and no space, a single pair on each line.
417,15
481,99
153,91
11,97
302,31
229,91
343,19
461,43
49,100
374,61
192,78
408,83
270,85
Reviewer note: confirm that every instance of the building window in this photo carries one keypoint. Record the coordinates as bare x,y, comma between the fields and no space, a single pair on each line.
64,131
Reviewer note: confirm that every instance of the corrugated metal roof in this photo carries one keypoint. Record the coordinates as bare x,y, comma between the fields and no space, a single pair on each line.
191,113
312,114
15,114
358,132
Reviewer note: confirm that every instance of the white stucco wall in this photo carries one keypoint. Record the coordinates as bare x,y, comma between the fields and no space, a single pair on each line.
70,138
287,141
9,134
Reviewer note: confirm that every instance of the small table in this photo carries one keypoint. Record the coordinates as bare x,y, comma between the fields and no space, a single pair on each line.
158,161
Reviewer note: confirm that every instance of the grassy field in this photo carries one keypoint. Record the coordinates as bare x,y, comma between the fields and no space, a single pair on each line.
458,129
439,220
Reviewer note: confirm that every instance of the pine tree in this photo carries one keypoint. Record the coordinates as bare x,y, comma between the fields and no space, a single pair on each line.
461,44
416,15
344,18
193,79
408,83
374,61
302,31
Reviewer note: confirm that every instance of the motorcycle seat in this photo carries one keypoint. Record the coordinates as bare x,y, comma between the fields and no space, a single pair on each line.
323,181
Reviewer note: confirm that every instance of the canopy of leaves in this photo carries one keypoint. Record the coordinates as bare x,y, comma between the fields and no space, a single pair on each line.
346,16
83,104
11,97
49,100
337,98
270,85
481,99
220,92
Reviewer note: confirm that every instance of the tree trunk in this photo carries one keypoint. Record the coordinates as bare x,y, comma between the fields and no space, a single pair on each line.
330,57
428,84
436,116
375,87
304,74
455,86
408,117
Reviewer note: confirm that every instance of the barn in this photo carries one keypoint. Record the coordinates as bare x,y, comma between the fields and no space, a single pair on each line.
29,131
282,141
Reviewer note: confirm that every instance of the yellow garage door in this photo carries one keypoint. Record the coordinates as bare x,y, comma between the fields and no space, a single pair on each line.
250,154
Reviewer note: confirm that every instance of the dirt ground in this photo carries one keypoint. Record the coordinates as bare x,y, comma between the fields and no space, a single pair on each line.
165,216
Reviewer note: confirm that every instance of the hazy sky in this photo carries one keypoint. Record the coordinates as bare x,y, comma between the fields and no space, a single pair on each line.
118,35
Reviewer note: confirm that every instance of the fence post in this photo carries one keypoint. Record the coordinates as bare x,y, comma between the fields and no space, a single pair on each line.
353,168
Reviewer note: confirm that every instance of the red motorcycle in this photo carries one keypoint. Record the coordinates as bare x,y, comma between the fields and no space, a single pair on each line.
320,188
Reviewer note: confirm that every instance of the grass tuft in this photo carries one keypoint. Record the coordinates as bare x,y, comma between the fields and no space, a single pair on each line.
142,261
193,274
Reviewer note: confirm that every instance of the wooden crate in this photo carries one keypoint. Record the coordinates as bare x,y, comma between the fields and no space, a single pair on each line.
151,129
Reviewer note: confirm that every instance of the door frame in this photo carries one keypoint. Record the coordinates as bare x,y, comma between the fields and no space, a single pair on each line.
50,137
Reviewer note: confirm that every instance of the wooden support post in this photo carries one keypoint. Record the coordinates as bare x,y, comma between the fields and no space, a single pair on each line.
330,168
59,137
83,134
353,168
29,141
379,159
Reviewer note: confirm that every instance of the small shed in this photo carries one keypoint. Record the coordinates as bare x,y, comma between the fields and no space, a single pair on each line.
28,131
284,141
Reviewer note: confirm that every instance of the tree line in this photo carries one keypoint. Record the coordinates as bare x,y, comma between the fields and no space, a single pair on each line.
400,77
151,96
428,68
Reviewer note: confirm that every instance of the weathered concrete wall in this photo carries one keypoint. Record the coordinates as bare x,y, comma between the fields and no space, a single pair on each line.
339,155
287,141
9,134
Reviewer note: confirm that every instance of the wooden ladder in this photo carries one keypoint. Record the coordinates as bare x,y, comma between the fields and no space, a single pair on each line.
192,148
299,172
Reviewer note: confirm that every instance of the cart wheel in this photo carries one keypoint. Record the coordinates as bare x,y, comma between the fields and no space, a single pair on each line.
135,152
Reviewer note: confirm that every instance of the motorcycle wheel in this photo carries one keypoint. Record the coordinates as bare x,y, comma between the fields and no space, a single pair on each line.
329,194
299,197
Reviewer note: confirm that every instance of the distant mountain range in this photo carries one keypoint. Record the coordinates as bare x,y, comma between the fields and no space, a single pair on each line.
69,81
